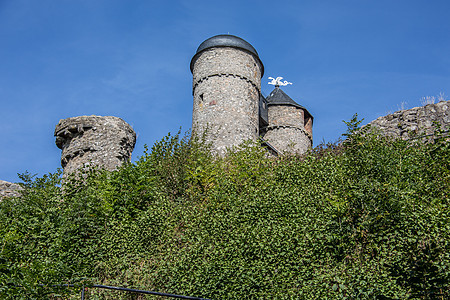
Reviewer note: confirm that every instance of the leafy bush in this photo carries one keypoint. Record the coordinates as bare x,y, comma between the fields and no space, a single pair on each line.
364,219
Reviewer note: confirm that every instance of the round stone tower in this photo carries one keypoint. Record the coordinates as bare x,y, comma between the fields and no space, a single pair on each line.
227,75
106,142
290,124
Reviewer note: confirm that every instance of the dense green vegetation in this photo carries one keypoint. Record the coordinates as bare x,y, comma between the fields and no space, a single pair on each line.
367,219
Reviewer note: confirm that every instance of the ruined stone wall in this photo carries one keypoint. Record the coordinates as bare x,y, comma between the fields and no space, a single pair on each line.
226,89
286,131
8,189
415,121
106,142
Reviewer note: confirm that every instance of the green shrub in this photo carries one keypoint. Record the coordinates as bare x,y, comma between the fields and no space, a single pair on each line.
364,219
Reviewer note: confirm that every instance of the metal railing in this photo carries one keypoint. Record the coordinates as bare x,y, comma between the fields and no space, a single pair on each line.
107,287
116,288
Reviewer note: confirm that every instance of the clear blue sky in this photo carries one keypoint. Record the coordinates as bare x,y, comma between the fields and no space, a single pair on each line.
130,59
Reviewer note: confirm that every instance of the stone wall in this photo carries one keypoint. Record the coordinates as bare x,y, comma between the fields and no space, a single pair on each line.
415,121
286,115
286,130
8,189
106,142
226,90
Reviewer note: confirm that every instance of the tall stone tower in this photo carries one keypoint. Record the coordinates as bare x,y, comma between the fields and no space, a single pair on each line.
106,142
227,75
290,124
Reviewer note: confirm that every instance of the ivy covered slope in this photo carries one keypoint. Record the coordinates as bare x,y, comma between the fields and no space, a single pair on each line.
366,219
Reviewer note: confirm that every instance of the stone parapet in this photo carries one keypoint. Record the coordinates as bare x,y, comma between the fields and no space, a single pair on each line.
227,61
105,142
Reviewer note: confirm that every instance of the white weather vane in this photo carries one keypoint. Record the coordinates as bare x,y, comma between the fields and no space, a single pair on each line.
277,81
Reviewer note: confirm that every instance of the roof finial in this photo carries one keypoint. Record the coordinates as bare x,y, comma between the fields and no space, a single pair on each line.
277,81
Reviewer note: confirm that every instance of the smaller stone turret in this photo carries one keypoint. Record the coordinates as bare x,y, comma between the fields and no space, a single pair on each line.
289,127
106,142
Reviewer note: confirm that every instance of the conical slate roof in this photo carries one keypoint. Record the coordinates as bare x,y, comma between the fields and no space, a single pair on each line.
278,97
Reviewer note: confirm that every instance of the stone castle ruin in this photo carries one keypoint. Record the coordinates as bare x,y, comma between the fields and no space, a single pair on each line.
229,106
228,109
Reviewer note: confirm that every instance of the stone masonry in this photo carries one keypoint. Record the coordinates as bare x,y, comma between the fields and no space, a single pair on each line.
106,142
286,130
228,107
8,189
226,91
289,126
415,121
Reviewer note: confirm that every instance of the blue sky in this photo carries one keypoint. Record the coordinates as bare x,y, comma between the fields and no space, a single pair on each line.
130,59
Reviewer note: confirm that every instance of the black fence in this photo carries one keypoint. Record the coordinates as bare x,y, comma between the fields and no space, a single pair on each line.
128,290
107,287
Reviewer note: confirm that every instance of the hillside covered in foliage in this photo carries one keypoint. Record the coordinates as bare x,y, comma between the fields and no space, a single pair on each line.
368,218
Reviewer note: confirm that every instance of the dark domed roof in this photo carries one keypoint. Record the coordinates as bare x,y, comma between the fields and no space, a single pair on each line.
226,40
